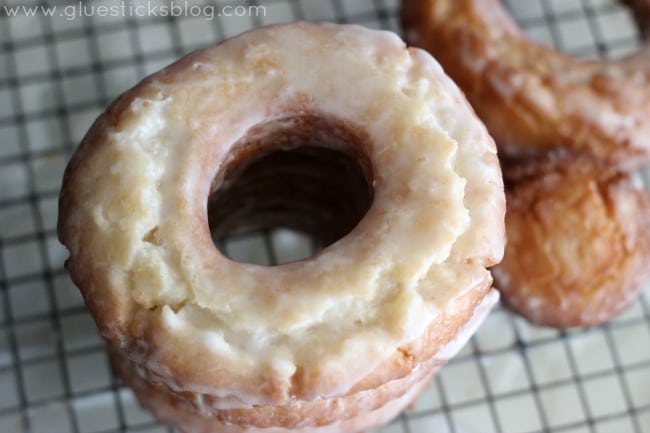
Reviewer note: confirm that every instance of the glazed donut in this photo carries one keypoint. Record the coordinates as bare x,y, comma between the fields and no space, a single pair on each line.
354,412
170,410
578,247
532,98
210,144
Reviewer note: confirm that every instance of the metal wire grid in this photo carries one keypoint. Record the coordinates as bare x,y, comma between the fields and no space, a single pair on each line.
56,75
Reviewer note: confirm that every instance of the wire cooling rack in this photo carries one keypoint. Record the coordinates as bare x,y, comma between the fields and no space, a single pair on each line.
57,73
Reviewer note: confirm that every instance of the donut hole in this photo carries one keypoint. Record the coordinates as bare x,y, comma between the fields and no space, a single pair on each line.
289,188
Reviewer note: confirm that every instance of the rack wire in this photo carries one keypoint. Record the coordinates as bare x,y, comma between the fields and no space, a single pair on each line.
57,74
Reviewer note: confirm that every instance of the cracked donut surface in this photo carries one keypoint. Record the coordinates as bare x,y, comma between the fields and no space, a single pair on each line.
578,241
386,298
532,98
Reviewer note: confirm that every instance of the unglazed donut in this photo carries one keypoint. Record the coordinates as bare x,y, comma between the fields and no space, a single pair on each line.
578,247
344,338
532,98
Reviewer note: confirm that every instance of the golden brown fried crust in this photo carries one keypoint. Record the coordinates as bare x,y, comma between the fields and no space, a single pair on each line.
578,247
533,98
342,414
370,404
296,415
419,355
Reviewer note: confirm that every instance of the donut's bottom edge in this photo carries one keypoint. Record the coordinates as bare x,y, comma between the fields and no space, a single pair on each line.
172,412
352,413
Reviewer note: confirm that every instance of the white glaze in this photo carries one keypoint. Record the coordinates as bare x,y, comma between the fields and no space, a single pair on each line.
438,204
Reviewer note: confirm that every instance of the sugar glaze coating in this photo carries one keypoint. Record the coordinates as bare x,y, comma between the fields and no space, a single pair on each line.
366,310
